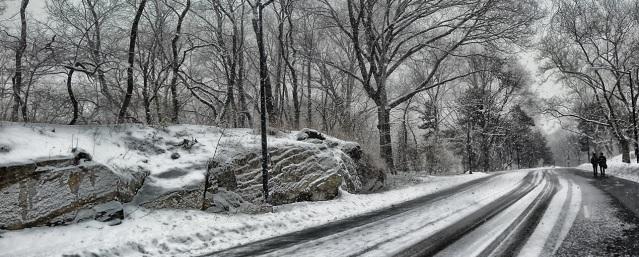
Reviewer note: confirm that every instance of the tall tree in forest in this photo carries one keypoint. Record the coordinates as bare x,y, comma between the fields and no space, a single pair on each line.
175,62
265,87
95,43
385,34
131,62
288,52
230,49
19,51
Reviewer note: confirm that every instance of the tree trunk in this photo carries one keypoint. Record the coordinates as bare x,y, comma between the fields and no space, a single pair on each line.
291,65
97,55
403,147
131,61
469,149
278,96
145,97
27,93
175,64
383,122
265,94
324,111
485,152
309,108
347,123
17,79
228,110
245,118
635,132
625,150
296,101
385,142
74,102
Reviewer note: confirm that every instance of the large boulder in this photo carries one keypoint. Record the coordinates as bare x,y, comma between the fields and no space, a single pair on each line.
56,191
314,168
370,173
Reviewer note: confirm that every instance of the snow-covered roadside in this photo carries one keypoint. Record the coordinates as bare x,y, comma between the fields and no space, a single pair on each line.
617,168
185,233
131,146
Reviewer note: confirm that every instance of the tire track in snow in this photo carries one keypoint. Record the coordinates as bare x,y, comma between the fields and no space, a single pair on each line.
439,241
269,245
539,212
383,238
556,221
518,231
499,232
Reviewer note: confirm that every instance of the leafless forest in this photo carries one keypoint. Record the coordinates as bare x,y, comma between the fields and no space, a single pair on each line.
591,49
430,85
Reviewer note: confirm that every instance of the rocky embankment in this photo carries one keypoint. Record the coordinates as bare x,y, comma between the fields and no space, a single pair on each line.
306,167
59,191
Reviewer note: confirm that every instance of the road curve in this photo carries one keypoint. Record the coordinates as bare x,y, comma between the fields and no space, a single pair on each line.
521,213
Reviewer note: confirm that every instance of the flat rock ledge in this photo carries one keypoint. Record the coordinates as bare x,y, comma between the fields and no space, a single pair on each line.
57,191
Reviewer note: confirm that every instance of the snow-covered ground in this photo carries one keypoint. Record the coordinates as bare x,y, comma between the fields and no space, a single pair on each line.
124,147
185,233
617,168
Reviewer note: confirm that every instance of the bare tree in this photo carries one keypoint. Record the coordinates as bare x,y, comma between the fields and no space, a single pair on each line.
265,87
384,34
175,62
17,78
131,62
593,44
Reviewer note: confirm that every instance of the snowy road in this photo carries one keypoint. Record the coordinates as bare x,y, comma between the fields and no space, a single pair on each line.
524,213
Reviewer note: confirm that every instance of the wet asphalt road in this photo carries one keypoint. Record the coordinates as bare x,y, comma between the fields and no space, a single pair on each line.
605,221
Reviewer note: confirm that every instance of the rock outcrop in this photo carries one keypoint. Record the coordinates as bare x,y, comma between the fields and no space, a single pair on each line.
372,176
308,166
56,191
312,169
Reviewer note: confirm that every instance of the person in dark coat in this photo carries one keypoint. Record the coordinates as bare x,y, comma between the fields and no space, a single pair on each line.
602,165
594,160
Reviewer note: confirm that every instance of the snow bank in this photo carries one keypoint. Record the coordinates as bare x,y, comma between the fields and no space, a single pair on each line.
123,147
186,233
617,168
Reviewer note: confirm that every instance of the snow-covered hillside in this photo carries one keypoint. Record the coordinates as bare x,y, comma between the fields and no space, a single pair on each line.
128,146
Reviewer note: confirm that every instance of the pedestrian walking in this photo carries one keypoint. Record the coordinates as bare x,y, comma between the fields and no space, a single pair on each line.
594,160
602,164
